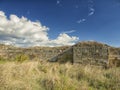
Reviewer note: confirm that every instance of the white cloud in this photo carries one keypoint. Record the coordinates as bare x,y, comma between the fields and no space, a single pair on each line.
23,32
2,14
91,11
81,20
58,2
90,7
90,1
64,39
71,31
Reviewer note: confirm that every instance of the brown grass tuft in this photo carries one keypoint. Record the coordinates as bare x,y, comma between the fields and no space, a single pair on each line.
36,75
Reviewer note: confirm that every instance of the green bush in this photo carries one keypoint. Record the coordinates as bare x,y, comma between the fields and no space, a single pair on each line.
21,58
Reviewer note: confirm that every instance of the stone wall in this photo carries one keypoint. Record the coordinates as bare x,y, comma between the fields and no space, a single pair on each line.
90,53
93,53
65,56
42,53
114,57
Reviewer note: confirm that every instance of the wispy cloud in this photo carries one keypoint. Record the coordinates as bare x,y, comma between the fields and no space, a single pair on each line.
67,32
81,20
58,2
91,7
90,1
23,32
91,11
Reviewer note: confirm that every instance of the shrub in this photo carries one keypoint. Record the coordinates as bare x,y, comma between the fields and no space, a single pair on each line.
21,58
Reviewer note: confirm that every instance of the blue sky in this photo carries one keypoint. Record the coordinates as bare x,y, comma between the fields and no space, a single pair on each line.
97,20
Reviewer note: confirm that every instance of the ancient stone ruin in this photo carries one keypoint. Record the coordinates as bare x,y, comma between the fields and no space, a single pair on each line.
92,53
114,57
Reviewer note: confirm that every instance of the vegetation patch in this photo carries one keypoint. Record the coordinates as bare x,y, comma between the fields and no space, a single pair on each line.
42,75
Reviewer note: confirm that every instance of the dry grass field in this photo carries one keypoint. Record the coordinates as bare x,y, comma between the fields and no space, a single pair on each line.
39,75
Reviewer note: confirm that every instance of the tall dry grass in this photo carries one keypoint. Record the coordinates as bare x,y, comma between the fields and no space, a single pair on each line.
37,75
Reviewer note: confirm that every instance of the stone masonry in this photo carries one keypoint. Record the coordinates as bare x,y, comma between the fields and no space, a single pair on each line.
92,53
